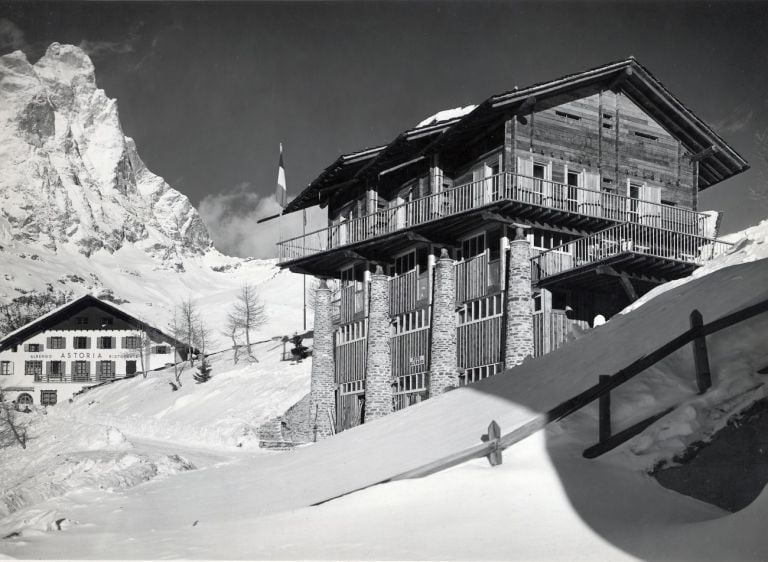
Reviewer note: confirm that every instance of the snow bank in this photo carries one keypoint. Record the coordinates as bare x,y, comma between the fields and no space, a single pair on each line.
63,456
224,412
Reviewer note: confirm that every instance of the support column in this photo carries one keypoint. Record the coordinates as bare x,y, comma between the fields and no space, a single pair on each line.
378,374
519,344
444,370
322,403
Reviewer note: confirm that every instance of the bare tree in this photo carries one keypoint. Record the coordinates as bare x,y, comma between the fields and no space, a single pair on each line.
178,334
188,322
232,331
248,313
145,347
12,426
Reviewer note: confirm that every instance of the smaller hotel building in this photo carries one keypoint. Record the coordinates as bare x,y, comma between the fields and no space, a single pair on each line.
82,343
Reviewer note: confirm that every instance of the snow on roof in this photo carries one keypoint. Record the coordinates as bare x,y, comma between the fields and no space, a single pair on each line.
446,115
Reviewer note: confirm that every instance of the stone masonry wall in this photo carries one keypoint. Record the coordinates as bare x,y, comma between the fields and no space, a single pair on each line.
322,410
519,340
378,376
444,371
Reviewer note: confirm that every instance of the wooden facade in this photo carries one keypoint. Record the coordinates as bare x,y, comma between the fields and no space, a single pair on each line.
602,169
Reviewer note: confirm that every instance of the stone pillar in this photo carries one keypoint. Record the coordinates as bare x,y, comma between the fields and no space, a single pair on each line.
444,371
519,339
378,372
322,403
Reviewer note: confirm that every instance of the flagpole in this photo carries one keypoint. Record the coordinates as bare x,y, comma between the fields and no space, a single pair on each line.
304,233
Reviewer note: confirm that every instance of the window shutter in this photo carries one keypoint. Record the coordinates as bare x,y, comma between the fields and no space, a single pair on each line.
98,342
47,367
525,169
88,343
122,342
26,347
112,370
48,342
72,366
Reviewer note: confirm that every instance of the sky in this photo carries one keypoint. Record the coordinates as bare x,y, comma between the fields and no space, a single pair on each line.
209,90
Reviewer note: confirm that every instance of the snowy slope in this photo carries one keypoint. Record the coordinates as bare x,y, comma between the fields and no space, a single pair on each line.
272,491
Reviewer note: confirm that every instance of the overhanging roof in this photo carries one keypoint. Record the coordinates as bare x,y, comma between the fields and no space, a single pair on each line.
350,168
66,311
718,160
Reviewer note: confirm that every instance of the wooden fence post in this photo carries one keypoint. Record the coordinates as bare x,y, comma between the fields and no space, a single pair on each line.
700,355
493,437
604,418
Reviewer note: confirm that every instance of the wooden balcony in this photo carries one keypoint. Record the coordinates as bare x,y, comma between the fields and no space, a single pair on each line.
649,254
516,195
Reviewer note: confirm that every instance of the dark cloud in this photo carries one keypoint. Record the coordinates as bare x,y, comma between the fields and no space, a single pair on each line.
11,37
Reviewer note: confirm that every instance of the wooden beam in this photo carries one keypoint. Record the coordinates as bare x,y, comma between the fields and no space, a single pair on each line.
624,279
403,165
623,75
496,217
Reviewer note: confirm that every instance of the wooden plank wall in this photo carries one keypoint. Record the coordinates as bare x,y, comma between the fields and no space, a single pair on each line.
598,133
410,352
479,342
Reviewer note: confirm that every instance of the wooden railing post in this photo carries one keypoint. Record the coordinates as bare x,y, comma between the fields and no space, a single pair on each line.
700,355
604,417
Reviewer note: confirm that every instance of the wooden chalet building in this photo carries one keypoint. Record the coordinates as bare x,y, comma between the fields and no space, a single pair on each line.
82,343
464,246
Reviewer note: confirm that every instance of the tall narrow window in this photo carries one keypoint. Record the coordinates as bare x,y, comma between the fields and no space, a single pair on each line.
539,174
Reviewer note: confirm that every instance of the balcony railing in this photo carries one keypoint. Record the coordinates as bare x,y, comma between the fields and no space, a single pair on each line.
499,188
623,238
76,378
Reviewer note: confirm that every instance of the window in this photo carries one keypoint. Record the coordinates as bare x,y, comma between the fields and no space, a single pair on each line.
633,192
568,116
161,349
105,342
81,321
130,367
473,246
6,368
33,347
81,342
405,263
573,184
347,277
81,371
56,368
131,342
646,136
57,342
106,321
48,397
106,369
33,367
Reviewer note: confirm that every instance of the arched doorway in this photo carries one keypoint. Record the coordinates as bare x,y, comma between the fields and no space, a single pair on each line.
24,400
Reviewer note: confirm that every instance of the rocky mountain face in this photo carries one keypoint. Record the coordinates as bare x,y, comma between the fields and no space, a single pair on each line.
68,174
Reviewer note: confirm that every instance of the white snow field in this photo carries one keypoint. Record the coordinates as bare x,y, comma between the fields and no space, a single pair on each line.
545,502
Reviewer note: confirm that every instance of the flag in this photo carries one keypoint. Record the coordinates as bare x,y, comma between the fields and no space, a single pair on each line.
281,193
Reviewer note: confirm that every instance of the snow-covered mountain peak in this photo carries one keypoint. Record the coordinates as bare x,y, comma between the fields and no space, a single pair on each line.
68,173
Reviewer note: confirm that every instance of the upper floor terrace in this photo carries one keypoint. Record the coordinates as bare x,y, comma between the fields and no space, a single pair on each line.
439,217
